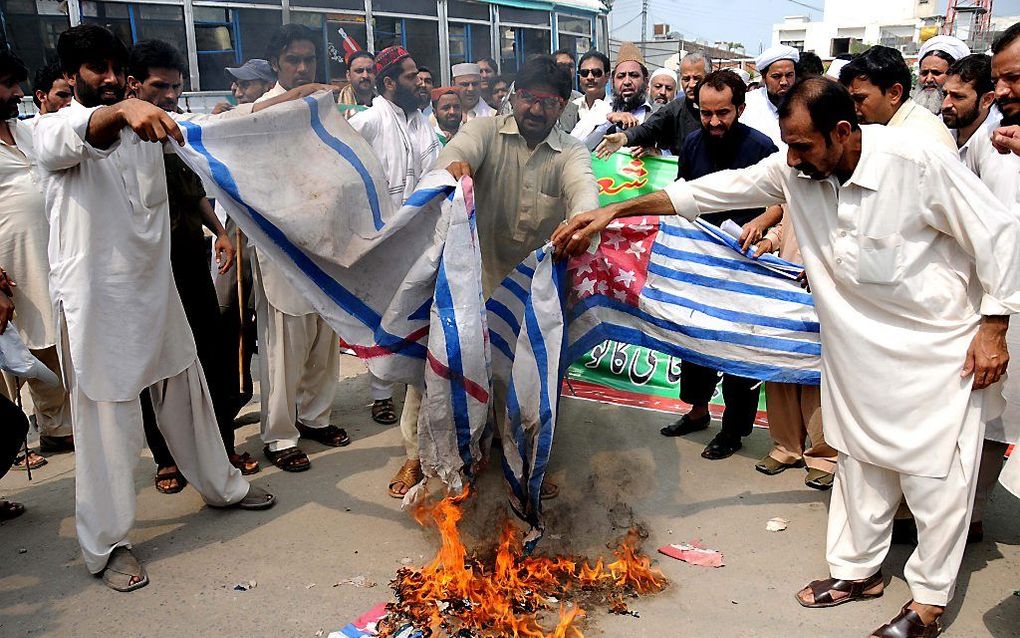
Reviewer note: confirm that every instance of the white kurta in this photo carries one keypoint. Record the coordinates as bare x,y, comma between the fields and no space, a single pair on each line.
1001,174
406,146
109,256
24,236
923,124
482,109
761,114
891,274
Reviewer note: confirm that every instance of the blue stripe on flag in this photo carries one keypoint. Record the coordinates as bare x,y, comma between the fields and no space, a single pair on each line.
706,334
501,344
732,286
342,297
714,260
525,270
726,315
516,289
497,308
458,395
709,233
538,349
421,197
633,336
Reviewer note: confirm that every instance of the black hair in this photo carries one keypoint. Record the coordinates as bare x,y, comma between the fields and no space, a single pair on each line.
89,44
950,60
809,64
501,78
1006,39
393,72
488,61
427,70
542,70
11,66
44,79
882,66
287,35
721,79
359,54
598,55
975,69
567,52
154,54
844,56
827,102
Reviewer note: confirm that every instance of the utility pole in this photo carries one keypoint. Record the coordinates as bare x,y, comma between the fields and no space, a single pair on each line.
644,28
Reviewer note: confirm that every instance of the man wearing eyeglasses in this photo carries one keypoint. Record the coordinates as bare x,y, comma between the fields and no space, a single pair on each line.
528,174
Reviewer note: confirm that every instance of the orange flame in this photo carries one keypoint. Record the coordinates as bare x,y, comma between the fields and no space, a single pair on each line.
456,592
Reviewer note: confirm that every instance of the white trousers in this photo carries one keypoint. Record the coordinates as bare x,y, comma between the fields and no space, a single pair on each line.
299,366
865,498
108,437
52,408
381,390
409,422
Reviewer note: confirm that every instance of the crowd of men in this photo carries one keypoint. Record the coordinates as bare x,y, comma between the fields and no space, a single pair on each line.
907,230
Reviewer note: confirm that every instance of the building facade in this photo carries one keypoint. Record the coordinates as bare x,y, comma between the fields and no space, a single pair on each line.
215,34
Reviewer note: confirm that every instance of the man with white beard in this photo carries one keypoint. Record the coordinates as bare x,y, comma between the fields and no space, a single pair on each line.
934,59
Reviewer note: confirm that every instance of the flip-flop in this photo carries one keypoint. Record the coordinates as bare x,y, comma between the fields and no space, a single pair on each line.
121,569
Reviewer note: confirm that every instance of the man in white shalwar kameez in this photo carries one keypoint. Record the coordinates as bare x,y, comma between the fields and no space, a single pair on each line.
24,234
299,356
913,288
120,321
407,148
971,115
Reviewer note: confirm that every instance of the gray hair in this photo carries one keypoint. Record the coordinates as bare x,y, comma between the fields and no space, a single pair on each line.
698,56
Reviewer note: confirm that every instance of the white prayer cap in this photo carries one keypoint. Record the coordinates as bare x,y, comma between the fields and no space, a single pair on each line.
834,67
666,72
955,47
775,54
466,68
744,75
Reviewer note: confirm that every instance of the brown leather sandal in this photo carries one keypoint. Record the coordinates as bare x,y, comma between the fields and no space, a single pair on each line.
383,412
821,591
409,475
908,625
291,459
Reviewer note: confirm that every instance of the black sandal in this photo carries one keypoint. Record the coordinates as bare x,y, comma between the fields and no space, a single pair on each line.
330,435
821,591
383,412
908,624
291,459
246,463
170,476
10,509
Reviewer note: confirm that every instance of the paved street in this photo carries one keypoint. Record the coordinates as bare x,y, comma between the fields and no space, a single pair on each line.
336,522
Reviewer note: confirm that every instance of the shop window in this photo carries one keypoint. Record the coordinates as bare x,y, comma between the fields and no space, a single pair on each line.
30,29
469,42
419,37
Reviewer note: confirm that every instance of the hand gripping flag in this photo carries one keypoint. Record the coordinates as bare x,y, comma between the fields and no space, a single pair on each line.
398,286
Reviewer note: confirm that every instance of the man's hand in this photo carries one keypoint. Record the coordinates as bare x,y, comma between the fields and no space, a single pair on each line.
764,246
297,93
987,355
573,236
7,285
645,151
610,144
222,107
6,312
752,232
803,281
1006,139
148,121
623,119
224,251
459,170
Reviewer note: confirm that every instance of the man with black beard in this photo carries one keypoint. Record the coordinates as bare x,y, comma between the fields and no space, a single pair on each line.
629,106
934,59
723,143
407,147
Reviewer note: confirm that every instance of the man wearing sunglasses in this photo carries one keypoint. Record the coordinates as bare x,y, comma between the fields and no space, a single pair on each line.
528,174
593,73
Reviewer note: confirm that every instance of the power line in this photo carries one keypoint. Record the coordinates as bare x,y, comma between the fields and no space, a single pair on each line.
806,5
617,27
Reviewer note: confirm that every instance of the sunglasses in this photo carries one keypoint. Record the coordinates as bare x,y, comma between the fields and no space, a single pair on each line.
595,73
548,102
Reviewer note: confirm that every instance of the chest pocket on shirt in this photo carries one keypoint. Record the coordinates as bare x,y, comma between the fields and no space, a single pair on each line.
880,259
531,221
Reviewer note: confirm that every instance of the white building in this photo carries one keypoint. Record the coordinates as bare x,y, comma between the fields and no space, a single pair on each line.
845,24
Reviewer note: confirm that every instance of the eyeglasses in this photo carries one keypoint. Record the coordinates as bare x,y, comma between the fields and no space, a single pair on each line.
548,102
595,73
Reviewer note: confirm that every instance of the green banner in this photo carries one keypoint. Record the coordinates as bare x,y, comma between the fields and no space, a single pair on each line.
625,368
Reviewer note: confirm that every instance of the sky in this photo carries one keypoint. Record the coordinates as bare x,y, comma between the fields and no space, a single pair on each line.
746,21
